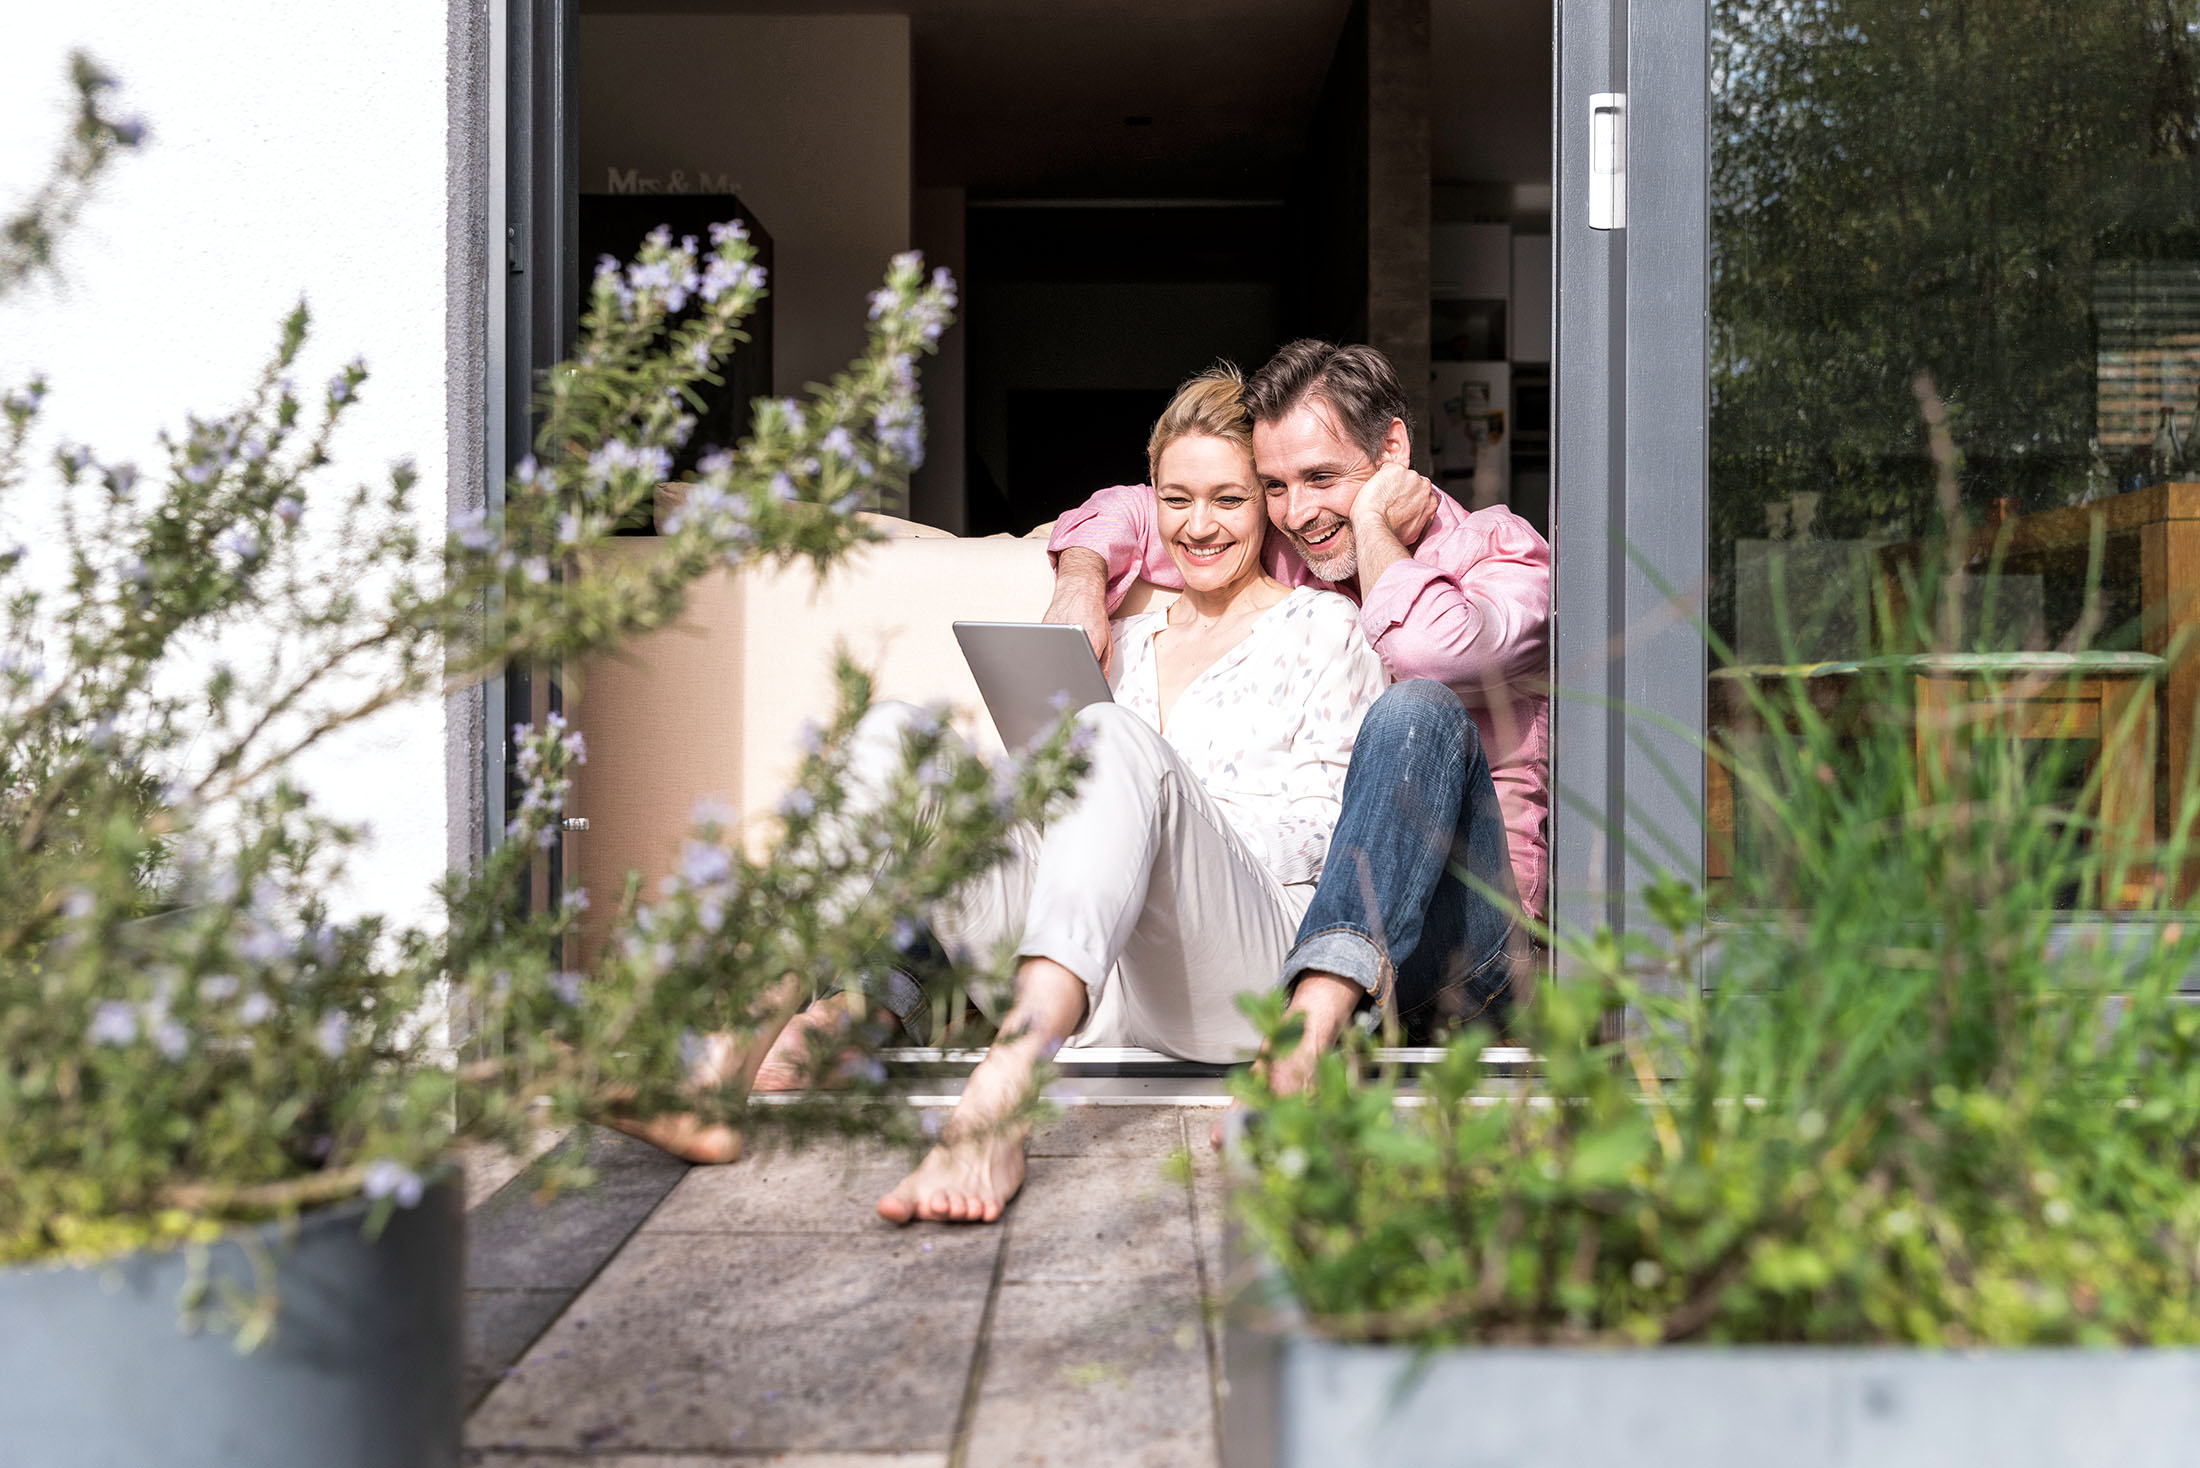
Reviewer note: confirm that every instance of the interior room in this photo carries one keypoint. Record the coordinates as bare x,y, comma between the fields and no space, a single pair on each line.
1125,190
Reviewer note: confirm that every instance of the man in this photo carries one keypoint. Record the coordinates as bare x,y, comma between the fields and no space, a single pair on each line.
1448,789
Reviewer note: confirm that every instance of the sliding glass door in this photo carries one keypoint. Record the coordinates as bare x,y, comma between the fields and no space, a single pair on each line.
1792,231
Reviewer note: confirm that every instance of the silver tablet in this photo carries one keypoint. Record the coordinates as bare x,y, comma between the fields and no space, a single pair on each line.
1030,673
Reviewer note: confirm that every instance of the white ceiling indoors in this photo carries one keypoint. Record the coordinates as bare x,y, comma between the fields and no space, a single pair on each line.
1029,98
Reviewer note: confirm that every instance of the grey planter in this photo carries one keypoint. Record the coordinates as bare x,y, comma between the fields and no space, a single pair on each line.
1301,1402
1294,1400
363,1371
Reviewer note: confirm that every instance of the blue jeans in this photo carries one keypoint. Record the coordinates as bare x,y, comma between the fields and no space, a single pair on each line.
1391,913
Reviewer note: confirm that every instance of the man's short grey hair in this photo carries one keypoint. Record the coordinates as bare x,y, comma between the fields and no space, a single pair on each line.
1357,382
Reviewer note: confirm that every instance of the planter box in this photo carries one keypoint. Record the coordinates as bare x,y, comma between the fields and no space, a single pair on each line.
1294,1400
96,1370
1297,1401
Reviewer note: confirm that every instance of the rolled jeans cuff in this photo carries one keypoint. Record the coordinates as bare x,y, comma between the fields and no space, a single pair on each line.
1347,953
906,999
901,995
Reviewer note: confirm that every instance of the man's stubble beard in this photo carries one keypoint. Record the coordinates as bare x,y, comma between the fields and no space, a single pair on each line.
1342,566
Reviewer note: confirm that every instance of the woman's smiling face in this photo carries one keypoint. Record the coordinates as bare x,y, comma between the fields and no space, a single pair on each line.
1211,513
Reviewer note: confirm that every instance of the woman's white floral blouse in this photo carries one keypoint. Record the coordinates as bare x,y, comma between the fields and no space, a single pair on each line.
1268,728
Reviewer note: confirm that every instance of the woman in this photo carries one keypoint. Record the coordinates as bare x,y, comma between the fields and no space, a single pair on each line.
1176,880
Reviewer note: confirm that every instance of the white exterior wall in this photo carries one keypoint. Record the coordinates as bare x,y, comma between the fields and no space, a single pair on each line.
295,150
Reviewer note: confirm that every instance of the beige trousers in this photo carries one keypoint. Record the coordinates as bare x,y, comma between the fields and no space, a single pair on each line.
1141,889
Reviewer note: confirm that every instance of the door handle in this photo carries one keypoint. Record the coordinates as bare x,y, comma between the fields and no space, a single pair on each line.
1608,160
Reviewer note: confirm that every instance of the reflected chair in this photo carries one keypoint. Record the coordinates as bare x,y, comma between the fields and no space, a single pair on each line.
2105,698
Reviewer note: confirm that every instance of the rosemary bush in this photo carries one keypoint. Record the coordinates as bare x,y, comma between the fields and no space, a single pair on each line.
187,1036
1872,1096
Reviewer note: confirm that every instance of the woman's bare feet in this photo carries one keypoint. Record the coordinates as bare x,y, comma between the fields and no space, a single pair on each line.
792,1062
979,1164
685,1137
724,1062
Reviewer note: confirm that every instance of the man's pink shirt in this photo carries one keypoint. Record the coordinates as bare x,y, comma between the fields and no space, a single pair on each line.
1470,609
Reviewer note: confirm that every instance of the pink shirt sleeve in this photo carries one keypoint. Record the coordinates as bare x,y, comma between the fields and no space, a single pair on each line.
1470,608
1117,524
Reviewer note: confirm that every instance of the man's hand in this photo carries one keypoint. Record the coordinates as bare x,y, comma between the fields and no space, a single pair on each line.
1081,599
1393,494
1400,500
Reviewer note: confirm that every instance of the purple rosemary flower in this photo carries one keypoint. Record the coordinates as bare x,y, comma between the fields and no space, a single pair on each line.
113,1023
170,1038
241,542
393,1180
473,530
704,865
333,1034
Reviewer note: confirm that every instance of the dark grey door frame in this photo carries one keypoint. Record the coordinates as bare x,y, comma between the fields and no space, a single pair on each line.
1631,459
533,196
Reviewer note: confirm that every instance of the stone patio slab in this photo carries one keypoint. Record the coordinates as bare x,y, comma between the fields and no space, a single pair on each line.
500,1326
1110,1131
690,1460
1080,1220
742,1344
515,1241
1081,1374
827,1188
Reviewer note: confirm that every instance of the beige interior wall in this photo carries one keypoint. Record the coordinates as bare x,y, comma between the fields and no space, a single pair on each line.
713,706
808,117
663,724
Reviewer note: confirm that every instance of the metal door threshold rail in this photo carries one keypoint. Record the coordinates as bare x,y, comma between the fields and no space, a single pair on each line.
1126,1075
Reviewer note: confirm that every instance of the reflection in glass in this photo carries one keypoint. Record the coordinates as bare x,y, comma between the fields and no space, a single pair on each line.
2000,196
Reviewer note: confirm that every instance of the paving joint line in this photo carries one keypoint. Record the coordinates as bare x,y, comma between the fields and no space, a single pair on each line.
1209,1302
966,1414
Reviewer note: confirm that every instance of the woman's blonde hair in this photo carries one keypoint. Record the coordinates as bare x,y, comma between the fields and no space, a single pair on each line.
1211,404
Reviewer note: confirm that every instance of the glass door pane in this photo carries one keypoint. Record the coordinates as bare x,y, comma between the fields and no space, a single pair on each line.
1991,206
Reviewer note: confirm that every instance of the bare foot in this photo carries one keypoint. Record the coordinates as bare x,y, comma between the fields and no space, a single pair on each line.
685,1137
788,1065
960,1182
1324,1003
1287,1077
979,1164
724,1062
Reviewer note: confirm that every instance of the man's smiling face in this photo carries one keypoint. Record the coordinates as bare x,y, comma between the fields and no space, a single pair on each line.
1312,471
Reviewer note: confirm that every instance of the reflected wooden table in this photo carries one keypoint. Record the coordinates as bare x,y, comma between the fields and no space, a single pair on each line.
2102,698
2165,521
